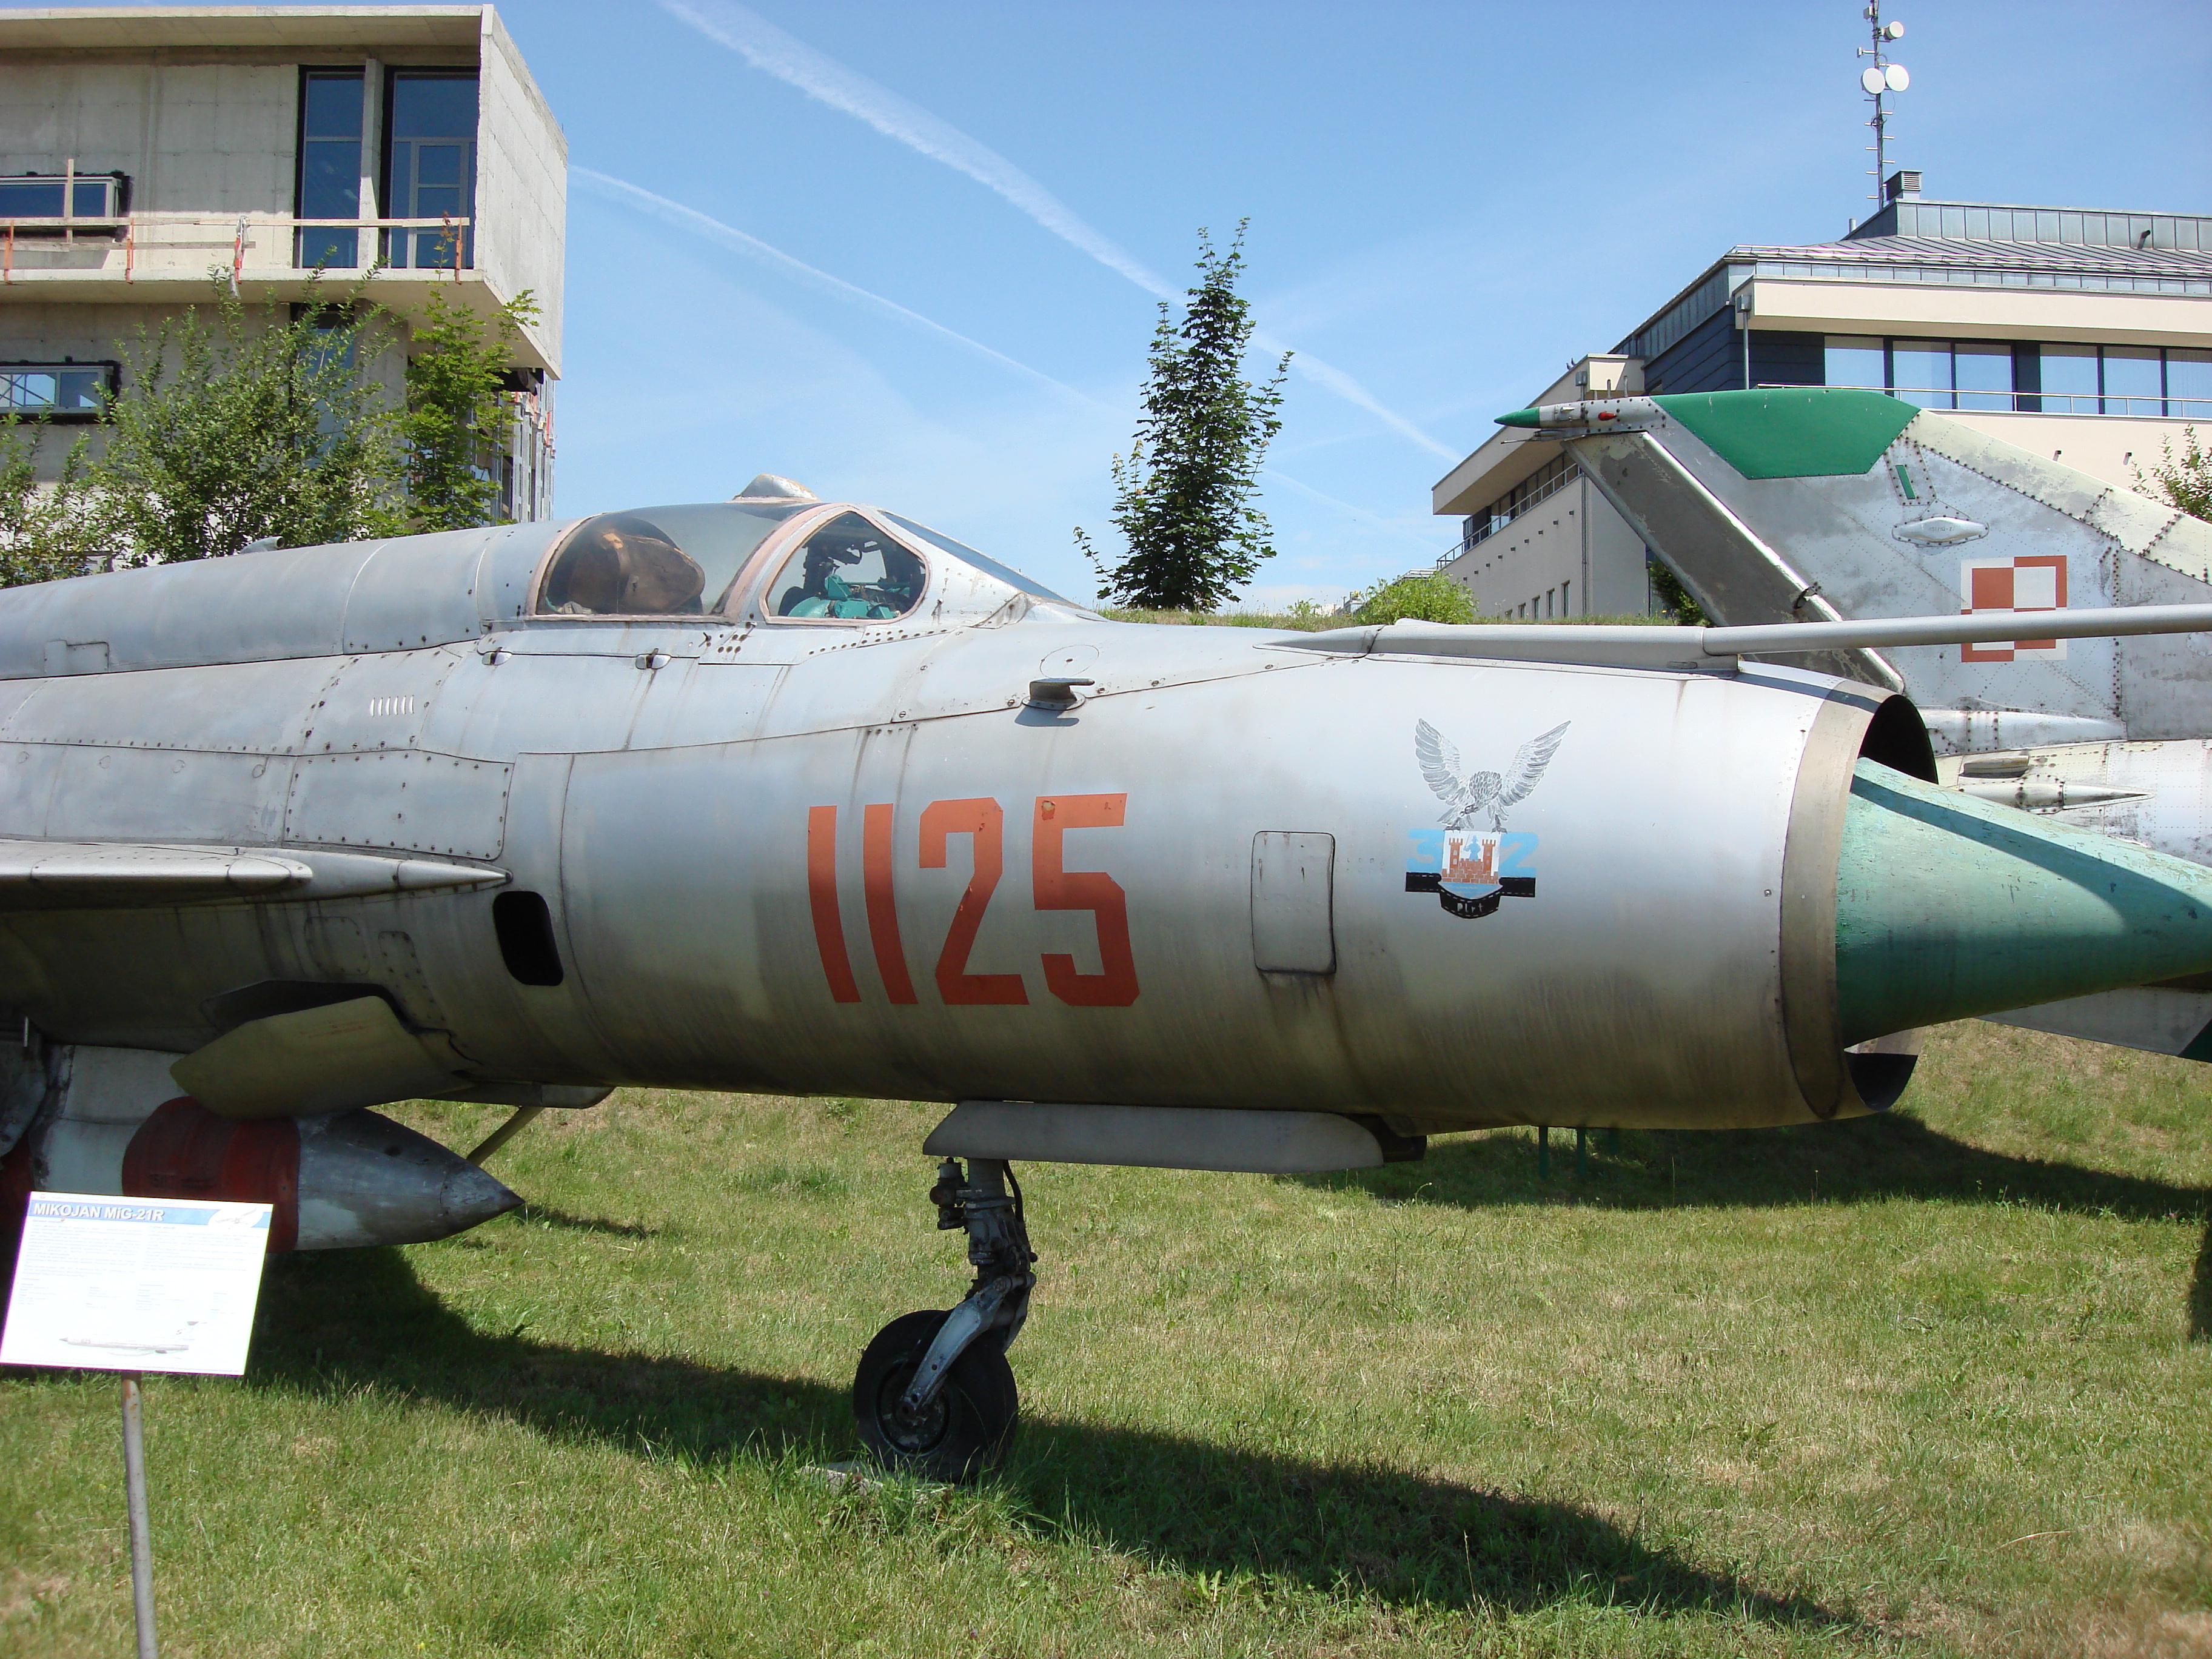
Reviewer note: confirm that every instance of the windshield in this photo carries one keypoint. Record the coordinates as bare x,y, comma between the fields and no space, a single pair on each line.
657,561
990,567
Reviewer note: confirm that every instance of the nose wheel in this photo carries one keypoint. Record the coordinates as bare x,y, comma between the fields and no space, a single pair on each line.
935,1396
965,1428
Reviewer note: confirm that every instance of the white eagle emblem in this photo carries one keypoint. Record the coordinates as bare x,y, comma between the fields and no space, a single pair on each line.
1481,792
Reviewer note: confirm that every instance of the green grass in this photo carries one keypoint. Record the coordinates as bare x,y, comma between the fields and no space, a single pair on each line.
1934,1383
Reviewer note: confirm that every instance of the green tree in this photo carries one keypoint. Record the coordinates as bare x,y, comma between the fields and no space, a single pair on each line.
227,433
1673,599
49,533
1183,493
2185,481
451,429
1424,596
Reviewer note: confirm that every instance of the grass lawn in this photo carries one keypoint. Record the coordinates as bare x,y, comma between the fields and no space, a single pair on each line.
1933,1383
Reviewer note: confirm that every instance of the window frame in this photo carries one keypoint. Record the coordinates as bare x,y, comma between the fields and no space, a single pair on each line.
111,372
387,148
768,558
358,74
115,183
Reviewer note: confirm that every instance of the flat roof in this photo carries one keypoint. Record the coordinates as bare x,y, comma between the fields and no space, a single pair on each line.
155,27
2096,250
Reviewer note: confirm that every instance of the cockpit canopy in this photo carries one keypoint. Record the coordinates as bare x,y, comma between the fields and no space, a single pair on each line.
849,570
772,561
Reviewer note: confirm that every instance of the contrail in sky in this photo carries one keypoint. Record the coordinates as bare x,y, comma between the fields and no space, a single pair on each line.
1366,514
768,48
675,213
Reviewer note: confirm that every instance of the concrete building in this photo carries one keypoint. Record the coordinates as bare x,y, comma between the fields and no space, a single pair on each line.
140,146
2082,334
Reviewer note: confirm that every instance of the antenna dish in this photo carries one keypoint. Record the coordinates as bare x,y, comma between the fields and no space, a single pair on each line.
1895,78
1894,31
1872,80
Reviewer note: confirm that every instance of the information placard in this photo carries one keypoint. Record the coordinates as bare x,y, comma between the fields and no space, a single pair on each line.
135,1283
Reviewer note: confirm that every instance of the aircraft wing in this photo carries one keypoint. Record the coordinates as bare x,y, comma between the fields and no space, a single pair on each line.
74,875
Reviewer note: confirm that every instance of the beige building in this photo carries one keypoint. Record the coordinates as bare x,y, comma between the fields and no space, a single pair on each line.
2081,334
141,146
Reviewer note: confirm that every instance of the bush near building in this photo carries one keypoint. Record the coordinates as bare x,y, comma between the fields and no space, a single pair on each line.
1425,596
233,430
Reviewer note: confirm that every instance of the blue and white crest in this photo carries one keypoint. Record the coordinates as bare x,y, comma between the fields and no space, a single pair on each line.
1469,867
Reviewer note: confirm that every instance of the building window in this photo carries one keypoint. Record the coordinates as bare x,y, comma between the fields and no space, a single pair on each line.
2189,384
1548,480
430,166
1981,373
1855,360
2133,382
330,168
57,391
2055,379
99,198
2068,380
1920,372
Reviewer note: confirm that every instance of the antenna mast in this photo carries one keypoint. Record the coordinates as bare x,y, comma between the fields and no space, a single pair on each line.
1879,79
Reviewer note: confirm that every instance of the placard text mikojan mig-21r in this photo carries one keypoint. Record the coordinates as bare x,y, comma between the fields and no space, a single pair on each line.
1792,503
782,796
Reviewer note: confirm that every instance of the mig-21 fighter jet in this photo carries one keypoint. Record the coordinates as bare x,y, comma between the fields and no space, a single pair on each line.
778,795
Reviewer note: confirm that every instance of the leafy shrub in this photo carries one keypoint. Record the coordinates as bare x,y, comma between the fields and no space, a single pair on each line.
1425,596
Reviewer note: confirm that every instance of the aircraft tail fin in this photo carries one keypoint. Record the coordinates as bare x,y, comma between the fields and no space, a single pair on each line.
1812,504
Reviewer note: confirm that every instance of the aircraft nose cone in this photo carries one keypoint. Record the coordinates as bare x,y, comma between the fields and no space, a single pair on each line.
1949,906
470,1197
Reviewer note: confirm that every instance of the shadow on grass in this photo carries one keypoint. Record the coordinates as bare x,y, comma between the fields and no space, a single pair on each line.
1861,1160
348,1319
535,1215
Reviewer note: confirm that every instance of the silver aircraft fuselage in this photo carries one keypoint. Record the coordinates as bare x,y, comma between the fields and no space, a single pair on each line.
825,854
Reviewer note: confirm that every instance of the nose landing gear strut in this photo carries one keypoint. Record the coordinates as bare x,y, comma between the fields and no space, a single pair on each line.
935,1396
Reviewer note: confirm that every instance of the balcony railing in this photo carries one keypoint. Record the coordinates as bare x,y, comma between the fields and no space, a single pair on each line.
137,245
1473,536
1968,399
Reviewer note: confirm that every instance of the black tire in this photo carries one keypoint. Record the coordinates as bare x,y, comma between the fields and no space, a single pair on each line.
966,1428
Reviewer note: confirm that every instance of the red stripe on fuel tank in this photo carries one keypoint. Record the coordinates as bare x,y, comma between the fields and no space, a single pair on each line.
822,897
16,1188
882,910
184,1151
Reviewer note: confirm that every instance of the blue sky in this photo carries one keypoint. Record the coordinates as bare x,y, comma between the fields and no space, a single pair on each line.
903,253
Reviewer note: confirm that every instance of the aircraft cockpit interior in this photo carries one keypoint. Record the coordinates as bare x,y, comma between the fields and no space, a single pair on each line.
847,568
747,558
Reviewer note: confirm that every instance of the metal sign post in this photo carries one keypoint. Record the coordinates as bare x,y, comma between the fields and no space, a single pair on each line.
141,1542
135,1284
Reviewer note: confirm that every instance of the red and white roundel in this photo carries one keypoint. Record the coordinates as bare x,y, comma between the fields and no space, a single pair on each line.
2029,583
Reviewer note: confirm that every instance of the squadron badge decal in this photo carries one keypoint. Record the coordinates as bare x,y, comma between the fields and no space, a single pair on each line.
1471,868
